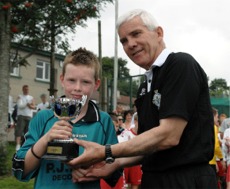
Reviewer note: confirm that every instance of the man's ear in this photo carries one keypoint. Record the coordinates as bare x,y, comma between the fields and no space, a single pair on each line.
160,31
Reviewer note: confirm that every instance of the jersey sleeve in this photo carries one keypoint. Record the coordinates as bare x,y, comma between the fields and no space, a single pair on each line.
35,131
181,87
110,133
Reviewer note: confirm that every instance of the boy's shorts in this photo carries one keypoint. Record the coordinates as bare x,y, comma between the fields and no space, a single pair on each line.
133,175
221,172
228,174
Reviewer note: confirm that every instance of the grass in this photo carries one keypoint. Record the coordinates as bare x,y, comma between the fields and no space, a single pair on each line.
9,181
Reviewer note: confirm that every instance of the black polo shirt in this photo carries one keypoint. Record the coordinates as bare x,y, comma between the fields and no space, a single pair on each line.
179,89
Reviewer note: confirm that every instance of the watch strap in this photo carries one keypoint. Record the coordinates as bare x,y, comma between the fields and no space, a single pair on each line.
108,154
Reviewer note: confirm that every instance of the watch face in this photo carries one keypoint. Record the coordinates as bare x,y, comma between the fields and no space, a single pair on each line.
109,160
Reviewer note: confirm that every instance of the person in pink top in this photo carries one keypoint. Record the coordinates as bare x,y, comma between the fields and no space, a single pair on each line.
127,119
132,174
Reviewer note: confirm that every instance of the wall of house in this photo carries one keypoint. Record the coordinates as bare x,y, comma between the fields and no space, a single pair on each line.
27,75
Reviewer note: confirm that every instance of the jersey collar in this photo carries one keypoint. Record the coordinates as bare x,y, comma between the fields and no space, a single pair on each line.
92,114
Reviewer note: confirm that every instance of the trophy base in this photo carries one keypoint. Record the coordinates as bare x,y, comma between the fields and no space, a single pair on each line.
63,150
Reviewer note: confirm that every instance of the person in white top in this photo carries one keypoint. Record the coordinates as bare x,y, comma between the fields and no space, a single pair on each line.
10,110
44,104
25,105
133,174
226,154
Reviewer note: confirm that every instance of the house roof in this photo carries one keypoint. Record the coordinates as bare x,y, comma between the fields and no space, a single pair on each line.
38,52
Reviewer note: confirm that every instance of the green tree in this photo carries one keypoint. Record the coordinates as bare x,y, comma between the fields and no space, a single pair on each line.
4,84
218,88
125,82
108,66
42,24
39,24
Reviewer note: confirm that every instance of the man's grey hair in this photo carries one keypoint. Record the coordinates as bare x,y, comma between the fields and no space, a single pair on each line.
148,20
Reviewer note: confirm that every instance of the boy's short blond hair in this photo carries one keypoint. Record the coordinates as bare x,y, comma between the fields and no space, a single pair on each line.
85,57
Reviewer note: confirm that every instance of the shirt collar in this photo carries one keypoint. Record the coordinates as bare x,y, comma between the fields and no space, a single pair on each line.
158,62
161,58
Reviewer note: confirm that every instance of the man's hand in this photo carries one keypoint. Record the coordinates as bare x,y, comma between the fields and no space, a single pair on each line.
93,153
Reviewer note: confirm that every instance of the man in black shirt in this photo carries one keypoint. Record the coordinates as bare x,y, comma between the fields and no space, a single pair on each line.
176,136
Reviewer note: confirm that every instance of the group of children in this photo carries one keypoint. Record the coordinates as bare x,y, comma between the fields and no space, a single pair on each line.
221,159
126,126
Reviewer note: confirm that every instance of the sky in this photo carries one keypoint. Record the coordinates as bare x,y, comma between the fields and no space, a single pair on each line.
198,27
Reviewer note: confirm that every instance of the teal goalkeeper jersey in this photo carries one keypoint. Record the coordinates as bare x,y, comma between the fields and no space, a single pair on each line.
96,126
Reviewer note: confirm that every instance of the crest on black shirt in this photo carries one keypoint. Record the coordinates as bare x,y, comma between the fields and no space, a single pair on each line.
143,91
157,99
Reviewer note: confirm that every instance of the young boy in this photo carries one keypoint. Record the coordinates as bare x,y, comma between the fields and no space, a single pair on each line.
80,76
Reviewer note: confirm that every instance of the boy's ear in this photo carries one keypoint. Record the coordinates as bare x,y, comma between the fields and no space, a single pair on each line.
97,84
61,79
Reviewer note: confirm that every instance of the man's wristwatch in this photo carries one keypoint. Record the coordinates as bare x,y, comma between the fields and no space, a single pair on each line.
108,154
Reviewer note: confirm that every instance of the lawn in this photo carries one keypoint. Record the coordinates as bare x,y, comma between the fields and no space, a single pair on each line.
8,181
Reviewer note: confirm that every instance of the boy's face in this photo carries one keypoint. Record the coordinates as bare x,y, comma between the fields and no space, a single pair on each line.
43,99
120,120
79,80
116,125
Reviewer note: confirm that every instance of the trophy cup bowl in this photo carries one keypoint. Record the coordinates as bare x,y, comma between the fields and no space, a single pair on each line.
60,149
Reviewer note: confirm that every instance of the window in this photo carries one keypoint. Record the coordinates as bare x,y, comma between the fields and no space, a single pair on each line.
14,70
43,71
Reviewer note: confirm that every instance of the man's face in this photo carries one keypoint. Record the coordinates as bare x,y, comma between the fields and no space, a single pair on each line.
140,44
25,90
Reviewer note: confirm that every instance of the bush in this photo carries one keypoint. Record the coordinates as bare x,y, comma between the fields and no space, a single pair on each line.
8,181
3,158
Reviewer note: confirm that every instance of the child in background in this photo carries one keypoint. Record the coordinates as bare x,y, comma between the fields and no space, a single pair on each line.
132,174
44,103
119,128
226,154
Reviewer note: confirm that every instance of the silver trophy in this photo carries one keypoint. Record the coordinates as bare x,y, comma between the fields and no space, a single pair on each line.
59,149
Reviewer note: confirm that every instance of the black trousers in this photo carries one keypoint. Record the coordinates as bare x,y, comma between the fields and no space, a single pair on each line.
188,177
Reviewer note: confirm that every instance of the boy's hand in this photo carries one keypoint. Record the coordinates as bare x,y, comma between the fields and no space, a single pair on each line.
79,175
60,130
94,172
